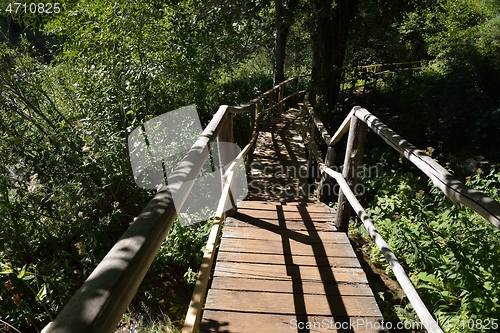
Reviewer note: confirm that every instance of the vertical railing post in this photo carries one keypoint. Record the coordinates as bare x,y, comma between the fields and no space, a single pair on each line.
295,90
227,153
326,181
311,147
281,96
254,128
270,116
353,156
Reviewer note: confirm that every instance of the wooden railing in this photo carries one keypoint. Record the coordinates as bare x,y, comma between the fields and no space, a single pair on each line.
356,124
100,302
366,77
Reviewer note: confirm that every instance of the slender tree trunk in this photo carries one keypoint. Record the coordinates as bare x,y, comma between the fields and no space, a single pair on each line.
285,13
281,35
329,24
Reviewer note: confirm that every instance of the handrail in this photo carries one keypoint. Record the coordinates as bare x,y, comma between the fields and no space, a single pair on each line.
455,190
103,298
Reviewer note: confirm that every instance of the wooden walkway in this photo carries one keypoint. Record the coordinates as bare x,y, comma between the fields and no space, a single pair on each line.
281,265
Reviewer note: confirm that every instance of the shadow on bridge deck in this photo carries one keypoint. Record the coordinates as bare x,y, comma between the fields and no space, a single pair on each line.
282,266
279,171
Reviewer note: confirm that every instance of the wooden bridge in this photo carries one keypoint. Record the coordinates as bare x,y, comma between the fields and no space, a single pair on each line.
284,263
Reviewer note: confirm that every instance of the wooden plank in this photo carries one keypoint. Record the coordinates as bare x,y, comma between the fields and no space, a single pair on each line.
292,212
279,286
227,321
282,303
288,216
282,272
289,206
294,247
274,224
319,125
343,129
279,259
326,237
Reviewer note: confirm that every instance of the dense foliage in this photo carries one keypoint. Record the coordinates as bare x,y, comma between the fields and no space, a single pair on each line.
66,109
74,85
451,108
450,252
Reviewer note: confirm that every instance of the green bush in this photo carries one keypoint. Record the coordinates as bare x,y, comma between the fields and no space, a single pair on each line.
450,252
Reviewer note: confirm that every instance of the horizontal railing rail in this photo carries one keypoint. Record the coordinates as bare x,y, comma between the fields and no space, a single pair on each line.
367,76
356,124
100,302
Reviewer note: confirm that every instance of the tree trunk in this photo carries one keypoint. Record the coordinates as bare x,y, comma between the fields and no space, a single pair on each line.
281,35
329,24
285,11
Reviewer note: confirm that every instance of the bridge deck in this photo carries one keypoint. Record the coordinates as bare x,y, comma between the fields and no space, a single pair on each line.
282,266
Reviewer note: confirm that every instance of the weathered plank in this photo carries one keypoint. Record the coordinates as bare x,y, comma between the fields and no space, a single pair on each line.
288,206
280,286
294,247
278,259
274,223
227,321
290,304
326,237
288,215
288,272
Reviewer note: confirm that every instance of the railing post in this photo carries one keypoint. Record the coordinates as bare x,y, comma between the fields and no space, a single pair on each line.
254,128
295,90
270,116
353,156
281,96
227,153
310,153
326,180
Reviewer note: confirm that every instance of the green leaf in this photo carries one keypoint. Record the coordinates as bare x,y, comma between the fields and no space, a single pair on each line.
28,277
22,273
428,278
42,293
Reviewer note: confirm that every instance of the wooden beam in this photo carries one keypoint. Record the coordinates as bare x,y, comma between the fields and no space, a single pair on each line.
455,190
353,156
281,96
318,123
343,128
193,315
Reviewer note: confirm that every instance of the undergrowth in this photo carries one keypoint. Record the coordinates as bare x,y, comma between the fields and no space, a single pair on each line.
449,251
